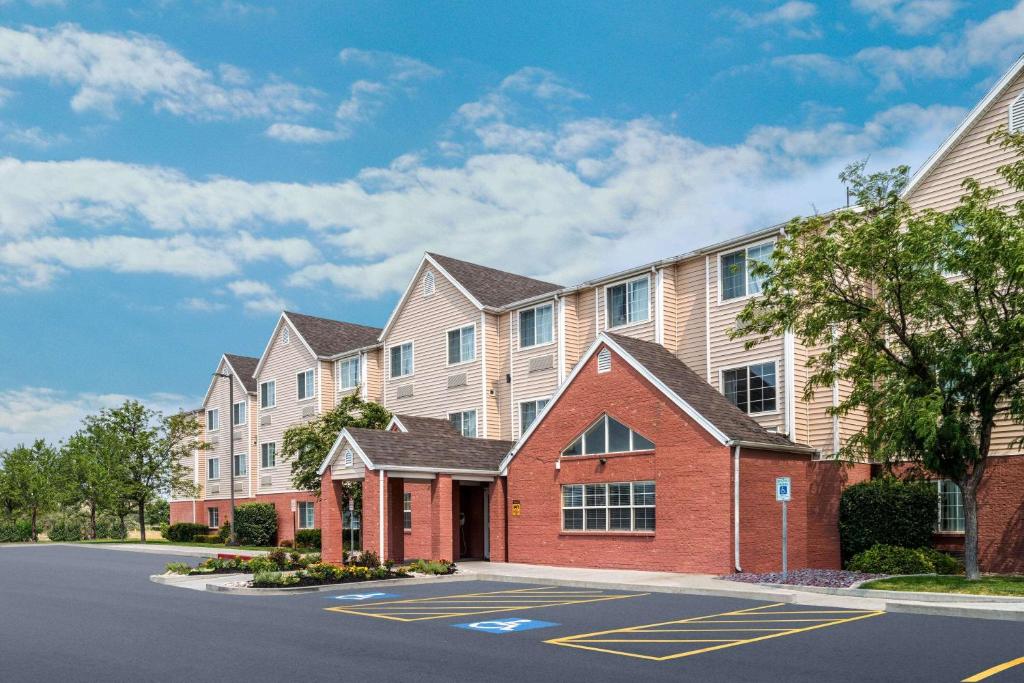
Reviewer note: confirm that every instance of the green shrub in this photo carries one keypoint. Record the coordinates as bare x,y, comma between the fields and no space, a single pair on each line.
256,524
324,572
224,532
262,564
279,557
891,559
15,531
286,543
367,558
943,563
185,532
308,559
207,538
307,538
886,511
178,568
273,580
110,527
65,529
432,567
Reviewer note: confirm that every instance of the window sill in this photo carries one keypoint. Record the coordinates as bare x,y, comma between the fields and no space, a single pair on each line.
305,400
584,533
626,326
461,363
953,534
534,347
598,456
407,531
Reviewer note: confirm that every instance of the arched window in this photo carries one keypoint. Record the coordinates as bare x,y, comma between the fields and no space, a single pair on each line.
608,435
428,283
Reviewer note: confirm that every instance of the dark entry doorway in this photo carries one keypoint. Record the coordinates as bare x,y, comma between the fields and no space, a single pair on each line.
472,521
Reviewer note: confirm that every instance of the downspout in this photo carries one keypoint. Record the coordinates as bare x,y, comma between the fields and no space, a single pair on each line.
736,508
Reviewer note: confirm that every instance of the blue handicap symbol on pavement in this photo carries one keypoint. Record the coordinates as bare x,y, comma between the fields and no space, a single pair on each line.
358,597
509,625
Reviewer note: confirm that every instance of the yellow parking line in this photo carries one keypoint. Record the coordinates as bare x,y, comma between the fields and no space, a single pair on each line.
582,641
998,668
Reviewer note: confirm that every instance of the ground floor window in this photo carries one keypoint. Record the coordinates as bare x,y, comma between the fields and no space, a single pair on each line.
214,517
407,511
951,507
620,506
306,518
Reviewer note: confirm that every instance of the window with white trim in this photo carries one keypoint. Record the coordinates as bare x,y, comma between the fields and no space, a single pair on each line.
238,414
268,454
241,464
608,435
528,412
628,302
536,326
305,384
619,506
213,517
401,360
307,518
213,468
407,511
268,394
348,373
751,388
465,422
736,270
213,419
461,345
951,507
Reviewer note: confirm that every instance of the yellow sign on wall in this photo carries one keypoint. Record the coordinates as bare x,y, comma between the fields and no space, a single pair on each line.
517,508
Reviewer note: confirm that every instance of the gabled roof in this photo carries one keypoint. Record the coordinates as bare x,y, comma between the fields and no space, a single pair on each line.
332,337
424,451
972,117
244,368
685,388
422,425
492,287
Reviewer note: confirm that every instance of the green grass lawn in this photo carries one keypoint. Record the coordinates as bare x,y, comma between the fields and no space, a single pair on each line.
987,585
156,539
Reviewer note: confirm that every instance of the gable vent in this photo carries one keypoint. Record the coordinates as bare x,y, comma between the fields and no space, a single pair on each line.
604,360
428,283
1017,114
347,455
286,335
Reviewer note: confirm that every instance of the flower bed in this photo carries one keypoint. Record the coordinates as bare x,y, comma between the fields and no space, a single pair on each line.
324,573
824,578
275,560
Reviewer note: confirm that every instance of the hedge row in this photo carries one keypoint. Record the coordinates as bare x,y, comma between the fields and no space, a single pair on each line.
15,531
886,511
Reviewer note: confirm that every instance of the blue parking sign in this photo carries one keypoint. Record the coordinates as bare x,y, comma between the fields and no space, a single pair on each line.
507,625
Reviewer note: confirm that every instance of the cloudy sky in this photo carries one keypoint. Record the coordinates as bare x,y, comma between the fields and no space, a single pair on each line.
174,173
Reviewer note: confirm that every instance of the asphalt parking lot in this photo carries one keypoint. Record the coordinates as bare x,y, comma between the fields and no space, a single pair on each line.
88,614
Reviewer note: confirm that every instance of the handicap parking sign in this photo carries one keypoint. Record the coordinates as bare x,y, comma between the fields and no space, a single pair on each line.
359,597
510,625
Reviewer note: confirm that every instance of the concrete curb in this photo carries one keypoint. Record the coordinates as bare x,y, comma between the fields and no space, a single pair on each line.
178,581
909,595
937,610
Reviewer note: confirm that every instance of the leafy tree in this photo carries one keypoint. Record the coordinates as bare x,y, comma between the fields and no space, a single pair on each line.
28,479
306,445
159,512
91,472
150,449
920,313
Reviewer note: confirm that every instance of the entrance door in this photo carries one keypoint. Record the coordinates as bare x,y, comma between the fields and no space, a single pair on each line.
472,522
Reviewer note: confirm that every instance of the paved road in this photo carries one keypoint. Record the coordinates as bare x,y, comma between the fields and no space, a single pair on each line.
91,614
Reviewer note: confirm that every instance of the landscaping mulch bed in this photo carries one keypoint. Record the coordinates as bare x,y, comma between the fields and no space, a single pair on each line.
823,578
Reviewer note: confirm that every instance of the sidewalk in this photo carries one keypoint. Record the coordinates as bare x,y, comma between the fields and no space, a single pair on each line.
980,607
167,549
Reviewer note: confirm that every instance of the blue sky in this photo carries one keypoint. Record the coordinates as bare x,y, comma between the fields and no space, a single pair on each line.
173,173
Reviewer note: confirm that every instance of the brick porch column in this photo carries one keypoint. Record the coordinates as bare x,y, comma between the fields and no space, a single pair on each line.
442,525
330,520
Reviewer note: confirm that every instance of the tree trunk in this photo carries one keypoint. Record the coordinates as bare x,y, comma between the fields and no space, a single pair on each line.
92,520
35,533
970,530
142,521
124,525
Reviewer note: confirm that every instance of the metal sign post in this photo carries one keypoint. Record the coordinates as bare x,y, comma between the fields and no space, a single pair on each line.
783,494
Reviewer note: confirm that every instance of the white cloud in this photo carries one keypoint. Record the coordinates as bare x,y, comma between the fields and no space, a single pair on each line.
257,297
109,68
30,413
818,66
399,68
202,305
908,16
294,132
33,136
794,15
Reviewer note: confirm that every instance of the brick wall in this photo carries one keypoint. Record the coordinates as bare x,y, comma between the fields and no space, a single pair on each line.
1001,515
182,511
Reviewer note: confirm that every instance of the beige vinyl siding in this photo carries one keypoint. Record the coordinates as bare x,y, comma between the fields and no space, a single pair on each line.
643,330
690,314
727,353
502,387
219,398
972,156
670,309
814,426
572,331
374,374
527,385
338,469
325,385
586,303
282,363
494,377
425,321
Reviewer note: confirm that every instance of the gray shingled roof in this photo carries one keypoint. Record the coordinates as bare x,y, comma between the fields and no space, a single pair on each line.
430,449
245,366
693,389
330,337
427,425
492,287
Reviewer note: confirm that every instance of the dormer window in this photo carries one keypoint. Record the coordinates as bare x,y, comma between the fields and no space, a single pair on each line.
608,435
428,283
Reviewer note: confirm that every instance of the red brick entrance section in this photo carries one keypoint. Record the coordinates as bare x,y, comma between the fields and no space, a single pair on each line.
181,511
1001,515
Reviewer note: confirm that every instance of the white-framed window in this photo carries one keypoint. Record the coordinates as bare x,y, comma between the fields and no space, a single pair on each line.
752,388
407,511
628,302
348,373
213,468
307,519
464,421
735,268
401,360
268,394
241,464
238,414
608,435
951,507
461,345
528,412
268,454
213,419
305,385
213,517
619,506
536,326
